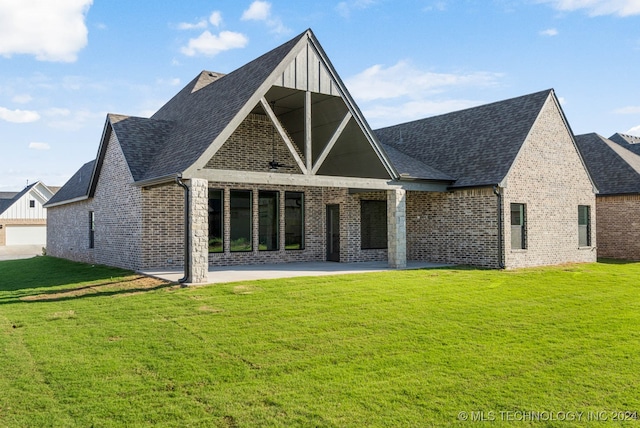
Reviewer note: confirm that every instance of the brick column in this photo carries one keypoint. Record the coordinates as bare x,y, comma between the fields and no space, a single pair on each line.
397,228
199,226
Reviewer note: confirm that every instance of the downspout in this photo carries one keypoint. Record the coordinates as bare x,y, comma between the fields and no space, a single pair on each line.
187,230
496,191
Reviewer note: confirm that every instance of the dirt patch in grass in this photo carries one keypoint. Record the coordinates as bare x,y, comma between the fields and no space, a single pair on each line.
136,284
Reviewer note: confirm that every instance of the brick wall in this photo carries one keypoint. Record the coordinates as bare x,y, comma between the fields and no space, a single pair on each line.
118,219
163,226
251,147
549,177
68,232
458,227
618,229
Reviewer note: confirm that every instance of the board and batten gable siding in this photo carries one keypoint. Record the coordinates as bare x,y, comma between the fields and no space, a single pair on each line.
20,209
549,177
618,229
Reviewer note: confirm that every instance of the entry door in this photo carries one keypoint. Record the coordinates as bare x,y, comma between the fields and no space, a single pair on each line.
333,233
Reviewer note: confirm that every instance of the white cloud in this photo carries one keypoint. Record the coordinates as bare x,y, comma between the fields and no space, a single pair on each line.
345,8
598,7
57,112
215,18
22,98
50,30
258,11
18,116
381,115
39,146
74,121
634,131
404,80
210,44
549,32
628,110
261,11
438,6
193,26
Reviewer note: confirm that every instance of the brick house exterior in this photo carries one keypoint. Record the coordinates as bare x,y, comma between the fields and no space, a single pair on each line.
289,171
614,164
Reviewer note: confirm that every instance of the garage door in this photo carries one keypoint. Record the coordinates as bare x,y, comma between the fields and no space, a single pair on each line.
26,235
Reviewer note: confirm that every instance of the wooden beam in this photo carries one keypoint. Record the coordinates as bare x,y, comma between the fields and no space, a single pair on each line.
283,134
307,132
285,179
331,143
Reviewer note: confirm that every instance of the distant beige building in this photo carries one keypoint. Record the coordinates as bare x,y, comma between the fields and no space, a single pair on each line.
23,218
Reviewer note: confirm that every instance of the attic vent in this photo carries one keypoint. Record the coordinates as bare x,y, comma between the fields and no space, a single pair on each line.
206,78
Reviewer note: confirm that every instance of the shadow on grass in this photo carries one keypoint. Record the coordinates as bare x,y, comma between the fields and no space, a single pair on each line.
52,279
617,261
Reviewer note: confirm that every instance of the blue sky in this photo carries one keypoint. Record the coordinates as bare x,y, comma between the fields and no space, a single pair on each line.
65,64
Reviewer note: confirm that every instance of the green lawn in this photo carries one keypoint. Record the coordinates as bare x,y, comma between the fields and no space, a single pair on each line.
94,346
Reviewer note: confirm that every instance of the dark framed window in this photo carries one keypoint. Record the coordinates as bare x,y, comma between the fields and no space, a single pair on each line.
584,225
240,208
92,229
293,220
518,227
268,220
32,203
216,221
373,225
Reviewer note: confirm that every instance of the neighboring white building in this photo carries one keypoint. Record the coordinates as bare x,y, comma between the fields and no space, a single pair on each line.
23,219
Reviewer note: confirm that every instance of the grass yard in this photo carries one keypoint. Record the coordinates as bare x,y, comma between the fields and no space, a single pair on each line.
95,346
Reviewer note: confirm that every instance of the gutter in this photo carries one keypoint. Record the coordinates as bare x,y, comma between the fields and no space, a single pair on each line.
496,191
187,230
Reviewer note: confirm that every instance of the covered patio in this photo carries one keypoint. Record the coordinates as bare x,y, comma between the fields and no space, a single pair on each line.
221,274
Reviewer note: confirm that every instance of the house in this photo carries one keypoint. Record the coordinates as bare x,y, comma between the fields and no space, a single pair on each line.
515,162
23,218
615,168
274,162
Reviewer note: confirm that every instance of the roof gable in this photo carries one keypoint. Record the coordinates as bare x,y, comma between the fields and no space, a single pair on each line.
608,164
37,191
76,188
476,146
629,142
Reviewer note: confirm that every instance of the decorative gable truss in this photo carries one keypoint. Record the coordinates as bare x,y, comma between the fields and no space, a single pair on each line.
311,115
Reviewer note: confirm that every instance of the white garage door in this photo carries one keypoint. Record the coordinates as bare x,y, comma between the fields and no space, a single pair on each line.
26,235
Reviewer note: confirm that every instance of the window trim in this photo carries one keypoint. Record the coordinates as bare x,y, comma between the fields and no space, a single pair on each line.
588,225
92,229
522,211
302,219
277,218
370,202
250,192
222,198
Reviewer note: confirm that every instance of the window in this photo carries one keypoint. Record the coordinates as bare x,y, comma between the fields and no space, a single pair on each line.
92,228
268,220
293,220
216,225
32,203
240,207
518,227
584,226
373,225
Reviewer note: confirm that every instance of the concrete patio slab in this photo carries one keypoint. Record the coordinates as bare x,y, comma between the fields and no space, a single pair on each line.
14,252
219,274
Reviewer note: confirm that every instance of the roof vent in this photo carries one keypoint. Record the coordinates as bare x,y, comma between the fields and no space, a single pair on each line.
205,79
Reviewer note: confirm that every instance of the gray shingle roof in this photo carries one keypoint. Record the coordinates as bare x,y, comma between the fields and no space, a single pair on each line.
609,171
5,203
200,116
629,142
413,168
76,187
475,146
